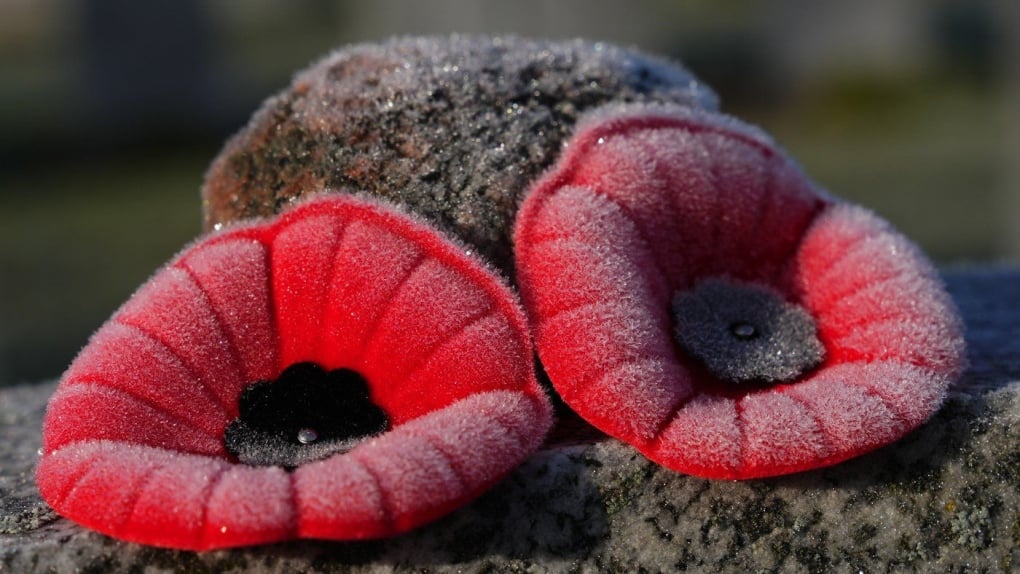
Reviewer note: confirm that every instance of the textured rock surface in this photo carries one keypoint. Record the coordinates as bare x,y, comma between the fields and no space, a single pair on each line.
945,499
454,129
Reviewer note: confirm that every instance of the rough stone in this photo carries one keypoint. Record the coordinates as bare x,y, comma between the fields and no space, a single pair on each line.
944,499
453,129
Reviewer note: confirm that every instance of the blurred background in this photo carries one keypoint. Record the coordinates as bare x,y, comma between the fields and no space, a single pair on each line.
110,111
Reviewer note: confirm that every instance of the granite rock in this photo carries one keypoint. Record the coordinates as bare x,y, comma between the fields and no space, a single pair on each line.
944,499
453,129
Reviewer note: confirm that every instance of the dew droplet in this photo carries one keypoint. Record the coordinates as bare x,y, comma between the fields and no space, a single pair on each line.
307,436
744,331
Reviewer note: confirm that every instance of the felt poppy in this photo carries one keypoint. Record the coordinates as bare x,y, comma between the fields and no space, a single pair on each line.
693,293
339,372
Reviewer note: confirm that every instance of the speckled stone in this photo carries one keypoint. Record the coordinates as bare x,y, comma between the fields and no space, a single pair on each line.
454,129
944,499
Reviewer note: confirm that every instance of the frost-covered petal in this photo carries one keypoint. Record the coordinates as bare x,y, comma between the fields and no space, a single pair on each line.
656,207
135,437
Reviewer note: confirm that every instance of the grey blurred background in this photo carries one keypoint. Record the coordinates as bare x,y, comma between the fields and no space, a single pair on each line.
110,111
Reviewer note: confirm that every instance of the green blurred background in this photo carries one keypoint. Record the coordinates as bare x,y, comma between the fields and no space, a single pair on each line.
110,111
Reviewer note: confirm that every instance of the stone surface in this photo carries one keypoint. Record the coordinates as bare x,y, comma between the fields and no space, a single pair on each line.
453,129
944,499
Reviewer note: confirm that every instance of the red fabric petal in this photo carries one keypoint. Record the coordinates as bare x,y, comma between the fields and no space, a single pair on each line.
874,294
172,309
249,505
357,301
84,411
646,204
241,299
123,358
432,305
133,437
303,255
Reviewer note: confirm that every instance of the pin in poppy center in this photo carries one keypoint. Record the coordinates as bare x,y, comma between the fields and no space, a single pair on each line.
746,333
306,414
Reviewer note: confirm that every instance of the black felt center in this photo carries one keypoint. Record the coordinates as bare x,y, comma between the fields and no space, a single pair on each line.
306,414
744,333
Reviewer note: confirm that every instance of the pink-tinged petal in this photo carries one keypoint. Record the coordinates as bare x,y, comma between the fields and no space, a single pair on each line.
913,340
879,299
653,210
436,462
692,202
420,470
627,174
506,434
83,411
704,438
250,506
853,419
780,435
175,311
587,250
838,413
417,481
638,208
705,192
124,357
165,498
126,490
59,471
339,498
240,298
739,174
592,305
911,393
790,206
338,299
615,366
84,475
182,483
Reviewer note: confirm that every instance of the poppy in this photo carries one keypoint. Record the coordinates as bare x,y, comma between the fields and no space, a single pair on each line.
693,293
340,372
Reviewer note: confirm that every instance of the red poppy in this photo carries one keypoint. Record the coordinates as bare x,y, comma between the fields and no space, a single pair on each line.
340,372
692,293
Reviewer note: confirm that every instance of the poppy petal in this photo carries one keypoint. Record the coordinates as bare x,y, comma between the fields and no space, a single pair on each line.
123,359
246,321
357,301
874,294
651,206
303,262
134,437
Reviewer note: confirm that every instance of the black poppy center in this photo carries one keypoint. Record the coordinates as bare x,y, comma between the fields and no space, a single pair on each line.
746,333
306,414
